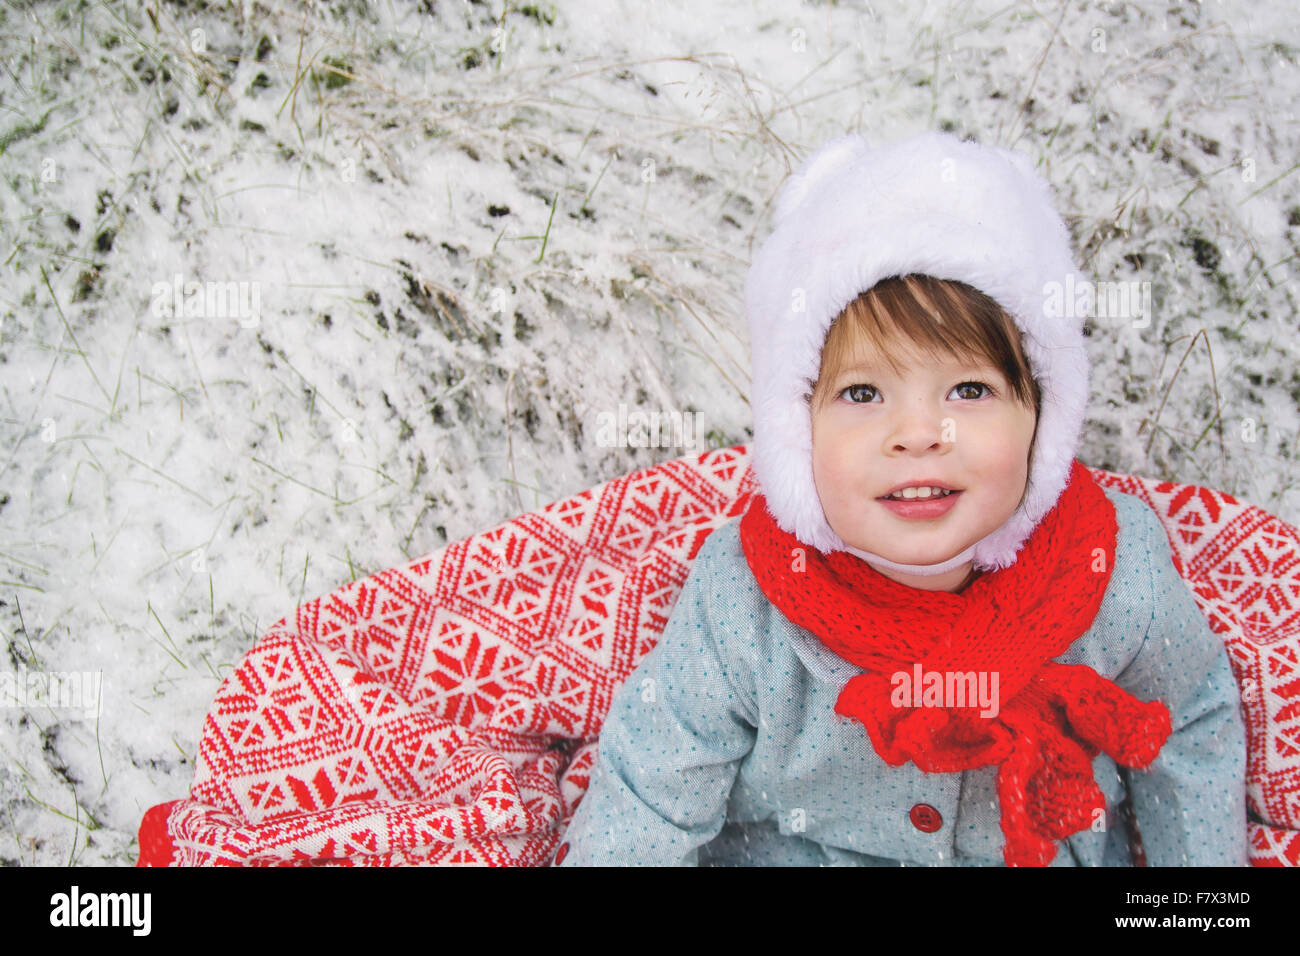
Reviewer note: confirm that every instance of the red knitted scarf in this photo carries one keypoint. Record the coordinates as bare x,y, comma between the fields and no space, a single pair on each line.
1050,719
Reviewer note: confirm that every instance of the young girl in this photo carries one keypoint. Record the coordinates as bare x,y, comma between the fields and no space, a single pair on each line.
932,638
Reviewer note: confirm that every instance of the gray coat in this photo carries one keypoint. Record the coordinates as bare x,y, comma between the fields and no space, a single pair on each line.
723,747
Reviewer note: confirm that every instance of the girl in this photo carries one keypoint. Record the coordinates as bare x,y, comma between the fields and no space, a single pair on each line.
932,638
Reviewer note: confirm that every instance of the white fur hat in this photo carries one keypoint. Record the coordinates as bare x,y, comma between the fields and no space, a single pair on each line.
934,205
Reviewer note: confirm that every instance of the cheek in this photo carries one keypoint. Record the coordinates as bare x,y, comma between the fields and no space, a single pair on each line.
829,466
1010,446
823,466
823,445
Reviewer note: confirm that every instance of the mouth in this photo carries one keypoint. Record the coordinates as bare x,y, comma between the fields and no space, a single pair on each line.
921,500
926,490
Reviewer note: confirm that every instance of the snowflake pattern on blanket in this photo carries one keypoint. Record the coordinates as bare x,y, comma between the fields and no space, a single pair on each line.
446,711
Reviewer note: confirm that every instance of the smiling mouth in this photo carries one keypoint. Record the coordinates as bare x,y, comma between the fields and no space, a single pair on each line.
919,494
917,508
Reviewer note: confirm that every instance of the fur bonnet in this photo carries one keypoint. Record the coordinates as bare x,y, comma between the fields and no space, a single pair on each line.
852,215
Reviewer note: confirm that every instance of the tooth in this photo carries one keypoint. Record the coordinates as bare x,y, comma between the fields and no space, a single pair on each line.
916,492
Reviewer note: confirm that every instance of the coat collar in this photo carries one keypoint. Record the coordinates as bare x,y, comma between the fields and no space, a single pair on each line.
821,661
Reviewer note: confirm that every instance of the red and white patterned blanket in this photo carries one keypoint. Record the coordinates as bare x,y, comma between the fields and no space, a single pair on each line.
447,711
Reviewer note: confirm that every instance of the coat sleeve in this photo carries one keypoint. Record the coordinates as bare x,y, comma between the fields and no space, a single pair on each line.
1190,803
671,746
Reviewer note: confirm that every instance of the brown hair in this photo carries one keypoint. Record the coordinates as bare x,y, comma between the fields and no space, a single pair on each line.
936,315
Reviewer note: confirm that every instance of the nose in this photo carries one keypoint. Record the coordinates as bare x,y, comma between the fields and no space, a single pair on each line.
917,426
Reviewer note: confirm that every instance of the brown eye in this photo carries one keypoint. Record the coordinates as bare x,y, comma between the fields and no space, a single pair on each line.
979,388
860,394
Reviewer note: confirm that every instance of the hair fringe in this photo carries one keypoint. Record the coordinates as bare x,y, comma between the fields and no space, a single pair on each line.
937,317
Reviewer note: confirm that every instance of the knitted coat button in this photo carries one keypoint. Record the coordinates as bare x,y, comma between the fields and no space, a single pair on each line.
562,853
925,818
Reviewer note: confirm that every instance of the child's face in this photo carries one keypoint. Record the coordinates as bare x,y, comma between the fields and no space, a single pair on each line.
950,421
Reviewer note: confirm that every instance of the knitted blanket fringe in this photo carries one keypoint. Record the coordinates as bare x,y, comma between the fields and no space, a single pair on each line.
446,711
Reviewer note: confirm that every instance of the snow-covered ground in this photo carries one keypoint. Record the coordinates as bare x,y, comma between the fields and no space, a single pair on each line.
465,232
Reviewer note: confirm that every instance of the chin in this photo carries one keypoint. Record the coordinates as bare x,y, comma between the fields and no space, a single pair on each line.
921,559
912,557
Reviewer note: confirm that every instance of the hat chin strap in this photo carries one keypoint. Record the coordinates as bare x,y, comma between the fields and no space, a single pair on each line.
943,567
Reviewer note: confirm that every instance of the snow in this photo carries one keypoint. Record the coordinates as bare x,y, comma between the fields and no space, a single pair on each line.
426,365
